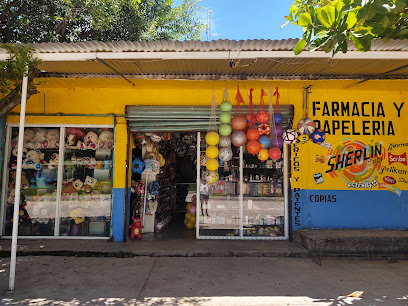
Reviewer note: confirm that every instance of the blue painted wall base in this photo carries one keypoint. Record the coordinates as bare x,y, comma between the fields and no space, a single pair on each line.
359,209
118,213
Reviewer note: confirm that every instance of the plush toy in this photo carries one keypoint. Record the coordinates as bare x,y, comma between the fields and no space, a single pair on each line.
135,228
78,132
24,181
71,142
89,183
78,184
86,161
53,163
106,163
77,215
33,160
90,141
41,179
51,140
99,165
10,197
13,157
92,163
29,141
39,137
68,187
105,186
105,140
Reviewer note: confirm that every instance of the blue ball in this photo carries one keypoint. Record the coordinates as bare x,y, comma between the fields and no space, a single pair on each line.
318,136
264,142
137,166
278,118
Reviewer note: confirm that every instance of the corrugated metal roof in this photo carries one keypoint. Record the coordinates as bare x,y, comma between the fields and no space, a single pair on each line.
196,46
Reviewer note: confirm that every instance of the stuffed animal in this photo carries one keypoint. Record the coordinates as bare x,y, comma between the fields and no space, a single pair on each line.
92,163
135,228
10,197
105,140
105,186
41,179
13,157
71,142
68,187
53,163
39,137
90,141
51,140
29,141
89,183
33,160
78,132
86,161
24,182
78,184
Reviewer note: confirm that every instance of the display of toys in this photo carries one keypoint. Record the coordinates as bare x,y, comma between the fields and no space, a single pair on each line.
238,138
203,160
318,136
137,165
289,136
306,126
264,142
225,117
274,153
225,129
252,134
263,155
225,142
212,164
211,152
225,154
212,138
136,228
264,129
253,147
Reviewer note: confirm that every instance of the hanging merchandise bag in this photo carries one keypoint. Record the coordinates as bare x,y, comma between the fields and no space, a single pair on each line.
276,129
262,115
250,116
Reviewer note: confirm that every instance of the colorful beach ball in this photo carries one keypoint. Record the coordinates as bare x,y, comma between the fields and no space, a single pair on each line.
225,154
306,126
264,129
225,142
318,136
289,136
264,142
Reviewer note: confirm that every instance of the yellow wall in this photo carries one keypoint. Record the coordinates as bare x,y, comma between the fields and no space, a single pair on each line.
105,96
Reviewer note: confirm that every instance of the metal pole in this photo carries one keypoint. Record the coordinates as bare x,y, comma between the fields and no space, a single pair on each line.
18,184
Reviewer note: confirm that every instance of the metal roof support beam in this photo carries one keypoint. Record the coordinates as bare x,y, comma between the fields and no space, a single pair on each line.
227,55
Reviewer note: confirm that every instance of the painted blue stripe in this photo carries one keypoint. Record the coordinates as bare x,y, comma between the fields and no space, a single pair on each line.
118,213
363,209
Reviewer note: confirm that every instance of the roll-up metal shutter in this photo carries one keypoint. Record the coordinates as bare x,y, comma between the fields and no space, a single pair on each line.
182,118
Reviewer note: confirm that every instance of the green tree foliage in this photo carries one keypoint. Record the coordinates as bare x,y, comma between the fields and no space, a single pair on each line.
30,21
329,24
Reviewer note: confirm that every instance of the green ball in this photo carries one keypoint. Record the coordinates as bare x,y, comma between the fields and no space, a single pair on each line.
225,129
225,117
226,106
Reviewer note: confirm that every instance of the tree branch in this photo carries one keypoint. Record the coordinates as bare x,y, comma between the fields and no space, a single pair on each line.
13,98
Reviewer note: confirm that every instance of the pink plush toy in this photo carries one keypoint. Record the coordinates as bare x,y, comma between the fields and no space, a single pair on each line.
136,228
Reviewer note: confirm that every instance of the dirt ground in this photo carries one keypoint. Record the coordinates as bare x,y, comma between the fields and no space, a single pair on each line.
46,280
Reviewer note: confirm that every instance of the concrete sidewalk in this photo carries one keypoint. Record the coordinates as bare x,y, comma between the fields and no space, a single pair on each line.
155,248
45,280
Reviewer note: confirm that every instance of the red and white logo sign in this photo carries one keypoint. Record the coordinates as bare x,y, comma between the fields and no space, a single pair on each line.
389,180
397,158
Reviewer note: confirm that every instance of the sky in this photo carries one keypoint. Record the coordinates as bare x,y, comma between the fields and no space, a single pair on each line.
243,19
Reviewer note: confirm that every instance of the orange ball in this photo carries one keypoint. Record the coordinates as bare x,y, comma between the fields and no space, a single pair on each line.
238,123
253,147
253,134
275,153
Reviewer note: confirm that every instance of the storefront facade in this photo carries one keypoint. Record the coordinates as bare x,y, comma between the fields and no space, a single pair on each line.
357,179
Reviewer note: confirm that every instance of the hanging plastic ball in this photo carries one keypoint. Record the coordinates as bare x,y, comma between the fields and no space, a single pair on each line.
211,152
264,142
306,126
277,143
212,164
253,147
275,153
225,154
225,142
262,116
289,136
226,106
238,123
278,118
225,117
225,129
263,154
253,134
318,136
212,138
264,129
211,177
250,119
238,138
279,130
